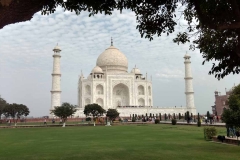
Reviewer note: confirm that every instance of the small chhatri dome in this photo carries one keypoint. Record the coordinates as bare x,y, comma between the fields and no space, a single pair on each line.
136,71
56,48
113,60
97,70
187,55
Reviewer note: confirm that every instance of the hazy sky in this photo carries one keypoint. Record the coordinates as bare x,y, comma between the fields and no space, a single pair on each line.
26,59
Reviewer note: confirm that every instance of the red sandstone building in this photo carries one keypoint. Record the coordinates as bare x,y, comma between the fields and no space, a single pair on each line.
220,103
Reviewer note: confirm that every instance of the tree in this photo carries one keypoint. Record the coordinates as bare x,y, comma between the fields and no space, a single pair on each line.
208,115
199,121
165,116
179,116
93,110
212,26
112,114
15,111
231,116
64,111
3,103
187,117
160,117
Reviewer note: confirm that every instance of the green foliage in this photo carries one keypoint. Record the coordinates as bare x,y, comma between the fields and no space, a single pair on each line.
198,122
183,140
3,103
212,26
133,119
187,116
208,114
15,111
93,110
174,121
214,30
209,132
157,121
64,111
231,116
88,119
112,114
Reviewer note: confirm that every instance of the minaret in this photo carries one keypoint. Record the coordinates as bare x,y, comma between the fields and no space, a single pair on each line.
188,84
56,79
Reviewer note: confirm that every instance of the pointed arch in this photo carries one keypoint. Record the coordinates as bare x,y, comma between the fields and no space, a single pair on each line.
140,90
99,101
87,101
141,102
99,89
120,95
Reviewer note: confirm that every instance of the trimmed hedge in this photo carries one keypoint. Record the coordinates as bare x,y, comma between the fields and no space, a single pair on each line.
174,121
209,132
88,119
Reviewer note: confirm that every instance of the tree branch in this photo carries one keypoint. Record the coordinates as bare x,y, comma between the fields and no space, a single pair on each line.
19,10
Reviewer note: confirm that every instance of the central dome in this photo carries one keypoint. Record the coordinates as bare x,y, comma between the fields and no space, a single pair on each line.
113,60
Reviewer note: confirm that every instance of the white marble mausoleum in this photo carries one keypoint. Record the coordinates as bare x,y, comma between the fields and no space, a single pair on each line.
111,85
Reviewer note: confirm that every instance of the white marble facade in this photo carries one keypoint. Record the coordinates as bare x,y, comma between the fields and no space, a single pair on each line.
111,86
56,79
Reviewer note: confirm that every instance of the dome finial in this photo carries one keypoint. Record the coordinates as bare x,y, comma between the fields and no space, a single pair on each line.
111,41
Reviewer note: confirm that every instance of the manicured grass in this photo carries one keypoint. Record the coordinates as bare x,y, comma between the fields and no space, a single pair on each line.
138,142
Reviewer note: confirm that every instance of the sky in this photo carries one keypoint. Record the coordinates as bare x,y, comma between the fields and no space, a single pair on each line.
26,60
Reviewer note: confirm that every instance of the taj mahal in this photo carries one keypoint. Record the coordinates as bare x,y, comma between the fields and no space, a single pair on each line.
111,85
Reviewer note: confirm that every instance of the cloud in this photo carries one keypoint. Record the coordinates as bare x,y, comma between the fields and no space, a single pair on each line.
26,58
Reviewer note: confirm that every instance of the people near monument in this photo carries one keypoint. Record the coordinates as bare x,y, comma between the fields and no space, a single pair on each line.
45,121
206,120
53,121
9,122
153,119
60,121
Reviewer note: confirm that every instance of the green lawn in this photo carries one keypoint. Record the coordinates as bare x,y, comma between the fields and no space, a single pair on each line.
146,142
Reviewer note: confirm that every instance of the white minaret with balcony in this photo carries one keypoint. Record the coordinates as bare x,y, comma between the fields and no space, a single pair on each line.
56,79
189,85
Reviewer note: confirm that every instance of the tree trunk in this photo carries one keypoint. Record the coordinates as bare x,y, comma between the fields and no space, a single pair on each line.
15,124
63,124
94,123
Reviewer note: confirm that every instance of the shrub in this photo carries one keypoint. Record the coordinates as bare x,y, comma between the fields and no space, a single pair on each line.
157,121
133,119
199,124
174,121
88,119
209,132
